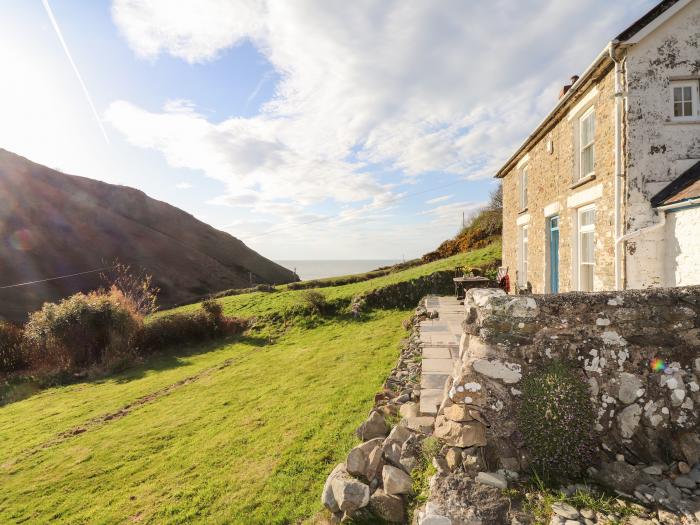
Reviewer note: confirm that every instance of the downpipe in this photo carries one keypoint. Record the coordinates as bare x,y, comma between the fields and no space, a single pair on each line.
619,175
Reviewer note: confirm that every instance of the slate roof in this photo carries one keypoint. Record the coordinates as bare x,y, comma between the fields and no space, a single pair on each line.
685,187
645,20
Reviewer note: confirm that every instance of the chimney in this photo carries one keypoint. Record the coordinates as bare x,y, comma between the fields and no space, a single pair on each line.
567,87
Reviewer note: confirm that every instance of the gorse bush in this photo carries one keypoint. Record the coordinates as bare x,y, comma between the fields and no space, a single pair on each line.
556,418
12,355
82,330
483,228
315,301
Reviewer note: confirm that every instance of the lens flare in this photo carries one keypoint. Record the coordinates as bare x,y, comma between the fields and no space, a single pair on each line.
22,240
657,364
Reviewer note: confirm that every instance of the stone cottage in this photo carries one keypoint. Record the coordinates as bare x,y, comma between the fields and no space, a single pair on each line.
605,192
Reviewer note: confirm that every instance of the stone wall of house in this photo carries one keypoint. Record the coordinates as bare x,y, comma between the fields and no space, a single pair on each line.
551,192
659,150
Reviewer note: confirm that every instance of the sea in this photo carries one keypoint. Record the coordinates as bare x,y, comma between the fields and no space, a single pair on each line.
333,268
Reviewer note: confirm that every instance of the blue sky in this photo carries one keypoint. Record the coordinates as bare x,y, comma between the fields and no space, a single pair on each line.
308,129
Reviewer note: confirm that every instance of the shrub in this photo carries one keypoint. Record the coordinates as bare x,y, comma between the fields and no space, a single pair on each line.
241,291
12,355
556,419
136,286
207,323
213,309
315,301
82,330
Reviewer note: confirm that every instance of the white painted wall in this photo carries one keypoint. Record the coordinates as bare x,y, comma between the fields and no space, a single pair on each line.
657,150
682,253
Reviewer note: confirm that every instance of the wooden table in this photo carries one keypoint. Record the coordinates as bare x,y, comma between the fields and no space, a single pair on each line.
460,284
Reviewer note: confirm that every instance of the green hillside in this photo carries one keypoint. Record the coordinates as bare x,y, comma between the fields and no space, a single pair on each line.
266,303
237,431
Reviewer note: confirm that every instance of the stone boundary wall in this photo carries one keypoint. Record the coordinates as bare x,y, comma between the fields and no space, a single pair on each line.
374,483
638,350
407,294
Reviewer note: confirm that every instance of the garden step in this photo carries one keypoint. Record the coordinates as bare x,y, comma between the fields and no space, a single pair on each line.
430,400
436,352
431,380
443,366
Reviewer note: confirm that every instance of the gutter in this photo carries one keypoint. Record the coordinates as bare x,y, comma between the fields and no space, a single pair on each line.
539,130
688,203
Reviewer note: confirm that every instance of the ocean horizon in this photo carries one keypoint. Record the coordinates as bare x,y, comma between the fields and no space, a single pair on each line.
319,269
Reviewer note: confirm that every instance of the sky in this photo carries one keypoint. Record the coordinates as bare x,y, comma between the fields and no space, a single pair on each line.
308,129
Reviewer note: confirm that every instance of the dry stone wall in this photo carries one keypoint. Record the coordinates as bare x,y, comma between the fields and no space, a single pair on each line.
374,483
639,352
406,294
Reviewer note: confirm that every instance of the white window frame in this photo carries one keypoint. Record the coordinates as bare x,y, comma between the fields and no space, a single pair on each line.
523,254
581,146
579,231
694,96
524,178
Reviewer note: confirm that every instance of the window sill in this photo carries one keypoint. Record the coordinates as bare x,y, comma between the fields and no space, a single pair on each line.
522,211
694,121
584,180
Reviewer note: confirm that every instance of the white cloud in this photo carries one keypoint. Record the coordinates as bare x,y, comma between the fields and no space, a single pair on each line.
439,199
193,31
183,185
251,156
419,87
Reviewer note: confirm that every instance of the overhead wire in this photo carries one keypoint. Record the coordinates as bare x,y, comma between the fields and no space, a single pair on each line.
17,285
269,232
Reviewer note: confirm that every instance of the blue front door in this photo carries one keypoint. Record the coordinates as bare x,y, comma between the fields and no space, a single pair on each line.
554,254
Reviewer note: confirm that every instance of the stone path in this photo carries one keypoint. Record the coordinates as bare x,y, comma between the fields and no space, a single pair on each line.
440,344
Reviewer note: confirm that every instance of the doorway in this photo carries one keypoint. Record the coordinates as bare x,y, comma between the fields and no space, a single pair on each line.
554,254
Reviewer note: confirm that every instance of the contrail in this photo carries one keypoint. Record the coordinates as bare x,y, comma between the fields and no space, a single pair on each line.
47,7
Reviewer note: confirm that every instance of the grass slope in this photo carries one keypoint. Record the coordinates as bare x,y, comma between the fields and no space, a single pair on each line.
243,431
266,303
250,442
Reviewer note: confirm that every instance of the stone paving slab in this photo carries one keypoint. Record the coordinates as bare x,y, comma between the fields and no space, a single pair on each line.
430,400
442,339
432,380
440,345
442,366
436,352
434,328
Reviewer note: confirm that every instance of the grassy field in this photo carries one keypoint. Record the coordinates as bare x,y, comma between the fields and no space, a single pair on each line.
249,442
240,431
266,303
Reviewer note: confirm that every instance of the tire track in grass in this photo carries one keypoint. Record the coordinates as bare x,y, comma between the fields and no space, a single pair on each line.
103,419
